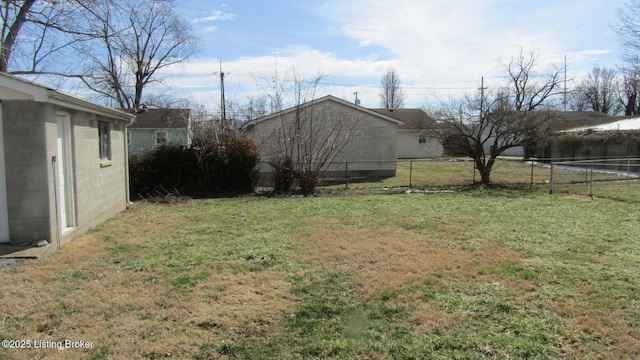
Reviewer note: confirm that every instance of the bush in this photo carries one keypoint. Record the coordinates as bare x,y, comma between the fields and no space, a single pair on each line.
209,167
168,168
228,165
283,175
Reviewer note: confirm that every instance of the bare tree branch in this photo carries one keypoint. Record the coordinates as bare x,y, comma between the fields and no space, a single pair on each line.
513,116
391,96
136,40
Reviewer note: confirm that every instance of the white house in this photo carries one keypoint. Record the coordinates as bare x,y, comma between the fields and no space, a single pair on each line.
366,139
418,136
155,127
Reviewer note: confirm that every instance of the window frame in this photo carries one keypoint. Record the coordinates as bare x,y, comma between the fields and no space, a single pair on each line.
104,141
156,143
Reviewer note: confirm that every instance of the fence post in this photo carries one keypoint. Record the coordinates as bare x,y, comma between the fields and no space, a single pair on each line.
410,173
346,174
591,184
531,181
474,171
628,171
551,177
586,175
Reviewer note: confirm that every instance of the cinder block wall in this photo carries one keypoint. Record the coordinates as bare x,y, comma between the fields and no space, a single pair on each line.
30,132
100,186
28,170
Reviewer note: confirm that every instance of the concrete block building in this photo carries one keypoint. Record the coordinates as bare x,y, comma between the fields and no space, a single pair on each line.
63,163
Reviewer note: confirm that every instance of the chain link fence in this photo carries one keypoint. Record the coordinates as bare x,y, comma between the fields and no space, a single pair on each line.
615,178
421,174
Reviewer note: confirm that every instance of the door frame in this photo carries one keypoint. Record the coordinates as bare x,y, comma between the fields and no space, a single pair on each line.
64,164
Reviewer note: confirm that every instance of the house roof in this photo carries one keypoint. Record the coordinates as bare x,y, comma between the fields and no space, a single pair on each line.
624,124
14,88
161,119
321,100
413,119
564,121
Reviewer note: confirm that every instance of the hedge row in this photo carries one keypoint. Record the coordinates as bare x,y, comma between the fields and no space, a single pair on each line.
205,169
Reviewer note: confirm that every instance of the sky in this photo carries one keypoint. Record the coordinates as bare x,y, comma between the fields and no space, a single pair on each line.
440,49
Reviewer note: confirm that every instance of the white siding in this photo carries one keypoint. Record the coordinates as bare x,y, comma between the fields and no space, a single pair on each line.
371,147
517,151
142,141
410,148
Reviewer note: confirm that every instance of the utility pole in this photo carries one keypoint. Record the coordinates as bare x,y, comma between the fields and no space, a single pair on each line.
565,84
223,115
482,88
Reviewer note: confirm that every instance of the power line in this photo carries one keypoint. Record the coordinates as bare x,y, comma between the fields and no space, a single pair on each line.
350,84
404,86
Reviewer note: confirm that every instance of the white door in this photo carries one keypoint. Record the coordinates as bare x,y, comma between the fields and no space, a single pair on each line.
4,213
64,174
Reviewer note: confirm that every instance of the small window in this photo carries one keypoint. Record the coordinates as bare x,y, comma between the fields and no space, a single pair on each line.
105,141
422,139
161,137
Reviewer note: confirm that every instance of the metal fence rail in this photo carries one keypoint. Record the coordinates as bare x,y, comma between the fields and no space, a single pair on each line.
606,176
612,178
422,173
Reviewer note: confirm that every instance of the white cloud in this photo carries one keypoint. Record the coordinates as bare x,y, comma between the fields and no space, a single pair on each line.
207,29
252,76
440,49
215,16
460,41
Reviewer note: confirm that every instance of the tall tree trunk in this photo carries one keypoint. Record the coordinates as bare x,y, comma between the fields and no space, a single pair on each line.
484,168
630,108
9,41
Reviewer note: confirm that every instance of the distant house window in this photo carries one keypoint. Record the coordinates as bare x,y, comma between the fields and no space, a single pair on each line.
161,138
422,139
105,141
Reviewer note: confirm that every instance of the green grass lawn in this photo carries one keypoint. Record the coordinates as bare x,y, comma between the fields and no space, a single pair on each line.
469,274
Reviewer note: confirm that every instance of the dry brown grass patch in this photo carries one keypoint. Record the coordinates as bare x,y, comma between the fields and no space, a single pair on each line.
74,295
391,261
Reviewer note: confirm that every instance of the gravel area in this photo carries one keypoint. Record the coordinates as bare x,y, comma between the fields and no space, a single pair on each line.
7,264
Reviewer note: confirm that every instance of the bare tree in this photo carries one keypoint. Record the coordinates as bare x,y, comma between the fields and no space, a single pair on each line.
239,112
528,88
628,29
391,96
133,41
302,141
629,86
577,99
34,36
628,35
115,47
599,91
513,116
14,16
254,107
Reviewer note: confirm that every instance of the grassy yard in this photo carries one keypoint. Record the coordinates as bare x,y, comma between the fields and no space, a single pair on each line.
468,274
